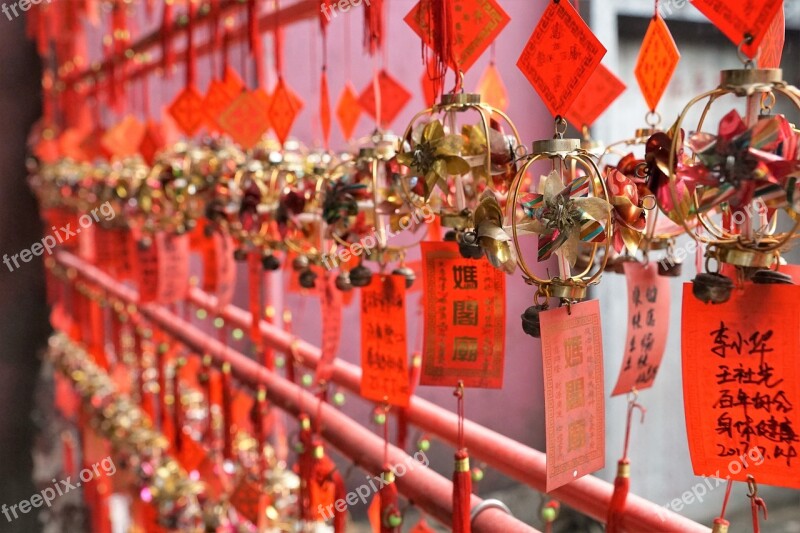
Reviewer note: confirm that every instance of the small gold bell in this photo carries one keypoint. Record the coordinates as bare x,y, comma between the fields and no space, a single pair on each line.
712,288
530,321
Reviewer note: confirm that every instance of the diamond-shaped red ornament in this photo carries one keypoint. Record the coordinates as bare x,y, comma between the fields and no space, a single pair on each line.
492,89
69,143
657,61
348,110
771,49
124,138
738,19
216,101
233,82
283,110
560,56
476,22
394,98
152,141
187,110
597,95
246,119
92,145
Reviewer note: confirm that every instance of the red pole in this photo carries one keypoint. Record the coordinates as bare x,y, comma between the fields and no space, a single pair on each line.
428,490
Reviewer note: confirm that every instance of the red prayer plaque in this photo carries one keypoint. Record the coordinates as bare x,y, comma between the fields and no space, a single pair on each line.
648,324
464,305
572,355
597,95
348,110
737,19
284,107
187,110
657,61
219,268
384,356
741,384
247,118
331,303
394,98
477,23
492,89
560,56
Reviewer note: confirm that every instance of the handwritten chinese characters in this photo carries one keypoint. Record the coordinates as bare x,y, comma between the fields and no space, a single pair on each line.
741,387
464,302
384,358
648,320
572,355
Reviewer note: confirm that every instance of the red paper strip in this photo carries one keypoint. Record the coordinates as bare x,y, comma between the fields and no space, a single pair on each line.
163,269
187,110
464,303
737,19
771,50
331,303
596,96
657,61
572,355
384,356
393,95
741,384
560,56
477,23
219,268
648,324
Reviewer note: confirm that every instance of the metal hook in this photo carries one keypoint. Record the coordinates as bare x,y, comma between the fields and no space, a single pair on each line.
752,486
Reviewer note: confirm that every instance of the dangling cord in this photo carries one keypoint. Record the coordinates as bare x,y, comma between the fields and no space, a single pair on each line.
616,509
462,479
720,524
390,516
177,412
756,502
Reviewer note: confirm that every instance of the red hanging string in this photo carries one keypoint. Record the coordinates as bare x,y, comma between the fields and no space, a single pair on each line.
191,53
441,35
167,53
616,508
756,502
462,478
720,524
278,31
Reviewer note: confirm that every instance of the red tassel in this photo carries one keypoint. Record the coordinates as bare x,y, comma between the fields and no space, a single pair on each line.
227,412
391,519
616,508
374,25
462,493
441,33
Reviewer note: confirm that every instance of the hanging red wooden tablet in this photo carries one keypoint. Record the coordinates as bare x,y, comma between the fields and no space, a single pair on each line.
657,61
284,107
741,384
348,111
739,19
247,118
393,97
331,304
476,24
219,268
648,324
596,96
771,50
492,89
560,56
464,303
384,356
572,355
187,110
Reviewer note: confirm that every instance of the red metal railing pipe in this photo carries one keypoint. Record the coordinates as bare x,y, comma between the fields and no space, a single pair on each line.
589,495
428,490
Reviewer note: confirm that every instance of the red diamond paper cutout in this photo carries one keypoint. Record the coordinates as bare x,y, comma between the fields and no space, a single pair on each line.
772,46
394,98
492,89
187,110
69,144
599,92
657,61
283,110
233,82
216,101
560,56
739,18
348,110
152,141
246,119
325,109
477,23
123,139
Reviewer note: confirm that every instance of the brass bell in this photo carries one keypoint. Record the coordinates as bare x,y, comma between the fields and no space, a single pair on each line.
308,278
530,321
712,288
270,262
360,276
771,277
450,236
406,272
343,281
468,246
